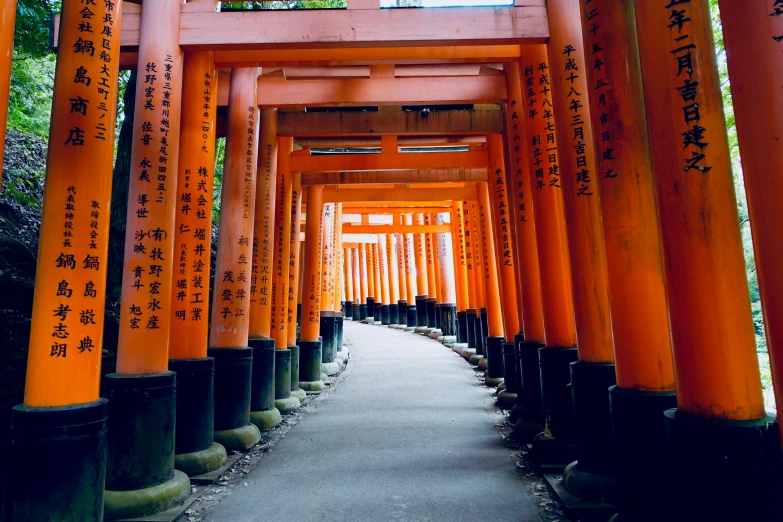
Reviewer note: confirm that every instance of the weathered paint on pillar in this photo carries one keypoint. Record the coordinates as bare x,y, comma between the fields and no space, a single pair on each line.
410,266
193,222
755,29
7,21
391,260
489,265
716,367
376,271
531,313
371,272
357,285
432,289
639,314
293,267
261,279
348,267
66,336
337,268
145,305
546,190
579,170
496,171
363,271
478,258
311,290
470,238
446,257
282,244
460,257
327,294
384,268
422,282
403,280
230,300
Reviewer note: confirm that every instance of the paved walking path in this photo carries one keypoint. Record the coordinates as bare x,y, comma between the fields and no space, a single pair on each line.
406,436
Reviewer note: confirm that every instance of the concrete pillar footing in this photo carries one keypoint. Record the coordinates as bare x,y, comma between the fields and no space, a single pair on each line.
331,368
200,462
483,363
299,394
241,438
506,400
492,382
451,339
475,359
287,405
435,333
587,485
266,420
312,387
148,501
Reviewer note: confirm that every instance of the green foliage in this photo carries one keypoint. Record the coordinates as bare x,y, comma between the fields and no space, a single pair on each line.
21,187
284,5
33,17
220,158
30,100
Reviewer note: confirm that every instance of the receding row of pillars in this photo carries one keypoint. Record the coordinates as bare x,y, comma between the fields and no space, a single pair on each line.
601,262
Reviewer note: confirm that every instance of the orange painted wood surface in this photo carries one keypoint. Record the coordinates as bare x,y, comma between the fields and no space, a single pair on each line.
230,322
193,221
311,285
66,335
294,273
7,22
304,163
489,265
637,295
143,342
460,255
715,362
446,263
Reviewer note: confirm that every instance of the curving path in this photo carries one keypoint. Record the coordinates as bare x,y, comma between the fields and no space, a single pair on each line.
406,436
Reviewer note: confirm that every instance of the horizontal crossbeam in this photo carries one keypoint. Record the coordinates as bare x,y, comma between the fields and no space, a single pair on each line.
304,163
406,194
399,176
396,229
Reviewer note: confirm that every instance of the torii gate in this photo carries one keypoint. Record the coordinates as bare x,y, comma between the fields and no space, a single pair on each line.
605,231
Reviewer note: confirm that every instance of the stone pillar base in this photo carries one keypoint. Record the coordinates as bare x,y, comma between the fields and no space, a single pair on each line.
147,501
266,420
200,462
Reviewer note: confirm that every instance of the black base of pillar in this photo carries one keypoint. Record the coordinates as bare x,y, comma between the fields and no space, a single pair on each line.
484,329
57,463
370,306
362,312
421,310
555,368
349,310
142,413
385,319
432,317
328,332
590,477
282,374
339,323
642,471
195,411
448,318
377,312
309,361
478,335
530,382
342,307
724,470
262,388
470,323
494,357
411,313
394,314
402,312
511,368
295,366
233,377
462,327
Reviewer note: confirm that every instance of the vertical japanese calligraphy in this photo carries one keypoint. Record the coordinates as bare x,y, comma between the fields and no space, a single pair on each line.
311,285
282,242
193,222
230,298
68,308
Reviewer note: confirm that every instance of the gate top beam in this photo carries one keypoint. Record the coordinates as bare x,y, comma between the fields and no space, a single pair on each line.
379,28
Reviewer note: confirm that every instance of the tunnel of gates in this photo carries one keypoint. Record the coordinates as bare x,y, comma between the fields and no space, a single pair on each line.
547,186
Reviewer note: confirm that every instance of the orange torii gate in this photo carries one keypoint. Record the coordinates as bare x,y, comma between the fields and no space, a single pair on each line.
604,244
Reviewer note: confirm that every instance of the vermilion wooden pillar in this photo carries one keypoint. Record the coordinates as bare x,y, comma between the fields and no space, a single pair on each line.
410,275
328,322
349,295
402,304
228,341
447,310
432,284
639,316
309,344
66,337
756,30
470,238
196,452
546,191
720,426
293,283
495,337
394,279
263,412
364,281
7,20
480,323
376,272
460,269
384,270
422,280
